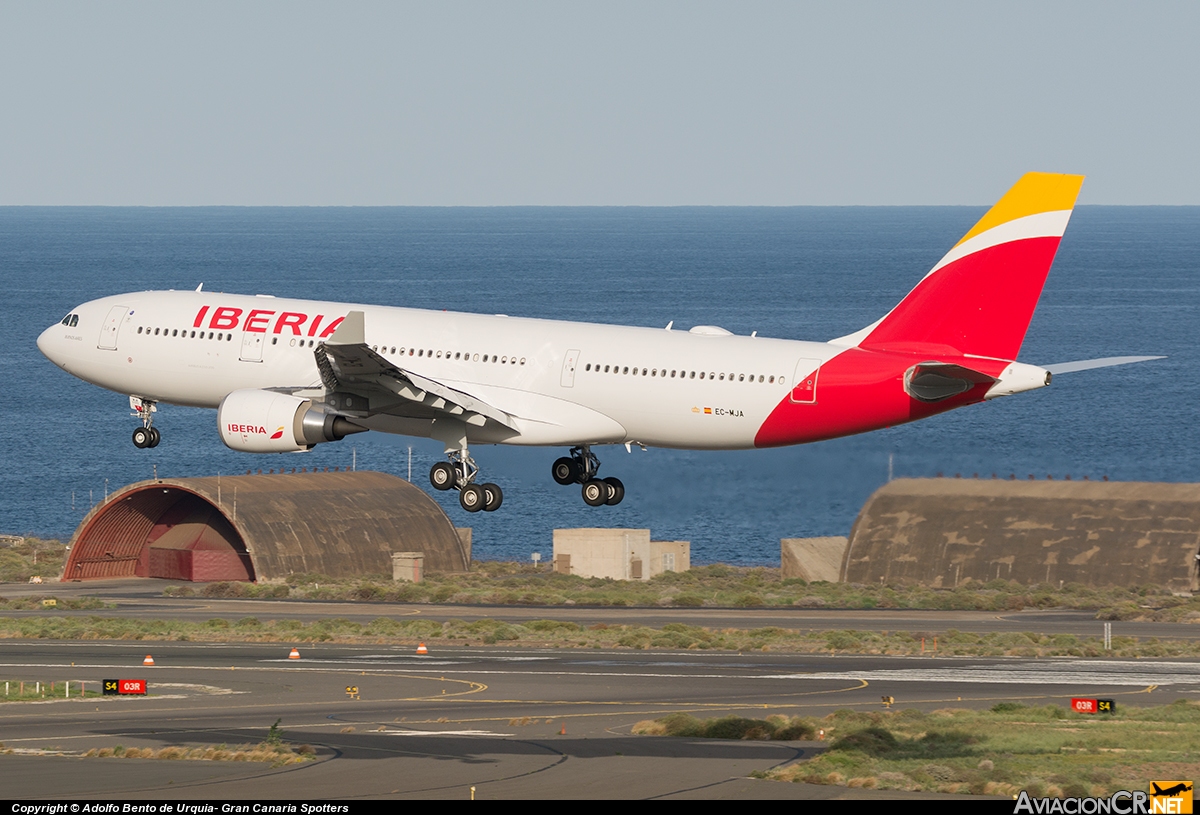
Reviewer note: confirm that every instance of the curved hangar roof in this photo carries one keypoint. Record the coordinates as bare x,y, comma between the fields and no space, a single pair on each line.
259,527
943,531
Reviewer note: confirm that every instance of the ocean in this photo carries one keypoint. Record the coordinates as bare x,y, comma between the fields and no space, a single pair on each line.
1126,281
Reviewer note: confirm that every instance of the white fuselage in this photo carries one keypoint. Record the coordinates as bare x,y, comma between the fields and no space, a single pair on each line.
563,383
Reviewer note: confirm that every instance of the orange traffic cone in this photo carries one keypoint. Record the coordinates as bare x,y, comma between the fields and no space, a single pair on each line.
294,654
563,732
149,660
422,651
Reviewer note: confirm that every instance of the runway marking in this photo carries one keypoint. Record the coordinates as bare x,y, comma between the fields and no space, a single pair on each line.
1096,672
443,733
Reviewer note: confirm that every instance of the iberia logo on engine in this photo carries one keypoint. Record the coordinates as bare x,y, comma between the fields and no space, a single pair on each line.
249,428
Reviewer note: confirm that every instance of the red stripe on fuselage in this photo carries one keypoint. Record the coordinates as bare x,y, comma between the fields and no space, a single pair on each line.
861,390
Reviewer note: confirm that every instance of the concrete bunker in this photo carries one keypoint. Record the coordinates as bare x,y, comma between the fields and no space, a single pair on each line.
263,527
944,532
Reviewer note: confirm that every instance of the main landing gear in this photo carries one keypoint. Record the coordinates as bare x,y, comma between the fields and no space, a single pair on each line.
580,468
459,474
147,435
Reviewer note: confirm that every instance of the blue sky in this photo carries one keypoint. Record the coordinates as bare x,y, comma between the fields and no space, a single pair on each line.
640,103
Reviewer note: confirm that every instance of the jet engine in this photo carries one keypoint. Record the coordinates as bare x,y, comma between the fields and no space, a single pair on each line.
258,421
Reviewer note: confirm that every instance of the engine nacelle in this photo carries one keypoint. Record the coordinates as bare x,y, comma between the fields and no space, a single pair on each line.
258,421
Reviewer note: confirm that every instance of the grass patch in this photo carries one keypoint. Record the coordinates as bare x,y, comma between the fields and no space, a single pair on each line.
23,558
1046,750
21,690
773,728
276,754
565,634
503,583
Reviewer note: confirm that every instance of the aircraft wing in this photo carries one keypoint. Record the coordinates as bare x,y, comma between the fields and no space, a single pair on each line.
347,363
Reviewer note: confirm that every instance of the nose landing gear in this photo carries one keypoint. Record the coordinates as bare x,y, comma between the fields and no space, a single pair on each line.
459,474
147,435
580,468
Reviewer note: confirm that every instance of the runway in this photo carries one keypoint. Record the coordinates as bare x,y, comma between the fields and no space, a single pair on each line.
489,718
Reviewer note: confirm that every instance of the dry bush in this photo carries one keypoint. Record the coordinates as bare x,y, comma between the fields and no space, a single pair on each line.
649,727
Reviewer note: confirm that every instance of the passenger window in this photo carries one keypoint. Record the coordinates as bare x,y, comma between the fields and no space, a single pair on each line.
626,369
139,327
156,332
672,374
692,375
175,332
522,360
741,377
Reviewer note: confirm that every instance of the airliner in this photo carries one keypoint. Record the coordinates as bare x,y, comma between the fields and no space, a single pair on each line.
286,375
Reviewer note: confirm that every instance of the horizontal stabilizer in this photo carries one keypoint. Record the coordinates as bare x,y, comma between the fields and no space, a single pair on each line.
1088,364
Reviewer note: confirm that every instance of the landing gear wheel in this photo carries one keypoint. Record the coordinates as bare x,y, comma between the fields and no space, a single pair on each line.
595,493
142,438
472,498
616,491
155,437
493,497
565,471
443,476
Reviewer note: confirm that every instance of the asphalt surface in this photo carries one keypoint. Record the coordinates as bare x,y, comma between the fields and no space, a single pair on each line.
513,723
509,722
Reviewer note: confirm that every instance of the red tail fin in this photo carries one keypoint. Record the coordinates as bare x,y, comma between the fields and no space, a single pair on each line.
980,298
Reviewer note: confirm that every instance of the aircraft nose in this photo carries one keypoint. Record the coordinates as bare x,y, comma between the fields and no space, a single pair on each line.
46,344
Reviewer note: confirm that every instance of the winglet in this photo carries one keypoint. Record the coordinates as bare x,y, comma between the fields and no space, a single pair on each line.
351,331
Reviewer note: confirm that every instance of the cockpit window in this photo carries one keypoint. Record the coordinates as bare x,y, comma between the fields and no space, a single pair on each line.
71,320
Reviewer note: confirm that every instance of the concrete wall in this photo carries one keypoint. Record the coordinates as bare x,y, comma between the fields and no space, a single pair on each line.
620,554
408,567
670,556
943,532
813,559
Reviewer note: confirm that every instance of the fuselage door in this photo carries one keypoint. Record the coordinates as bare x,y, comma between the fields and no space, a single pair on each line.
252,346
568,371
112,325
804,392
